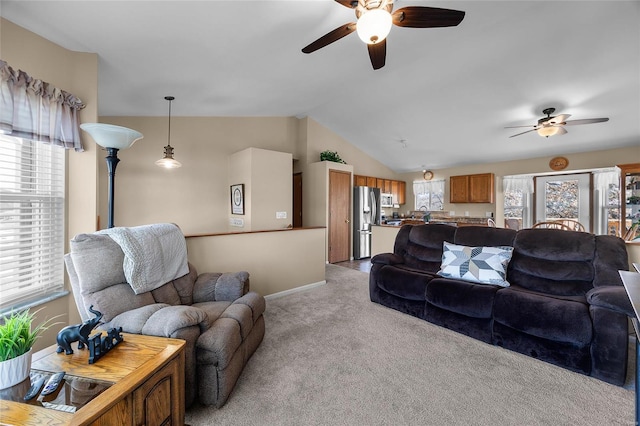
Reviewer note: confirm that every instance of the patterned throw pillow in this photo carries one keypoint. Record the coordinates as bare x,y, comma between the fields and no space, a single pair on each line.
484,265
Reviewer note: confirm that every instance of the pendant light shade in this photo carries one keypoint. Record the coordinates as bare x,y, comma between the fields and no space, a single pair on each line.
168,161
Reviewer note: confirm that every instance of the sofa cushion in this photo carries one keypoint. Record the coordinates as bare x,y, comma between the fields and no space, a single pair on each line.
485,265
462,297
553,318
484,236
421,245
402,282
553,261
116,299
97,260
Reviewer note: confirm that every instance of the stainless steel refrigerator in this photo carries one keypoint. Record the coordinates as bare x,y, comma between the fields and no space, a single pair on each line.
366,212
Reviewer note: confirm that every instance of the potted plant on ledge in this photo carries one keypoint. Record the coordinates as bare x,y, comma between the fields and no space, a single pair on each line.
16,340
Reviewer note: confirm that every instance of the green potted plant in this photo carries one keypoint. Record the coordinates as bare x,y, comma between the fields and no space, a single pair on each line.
17,337
331,156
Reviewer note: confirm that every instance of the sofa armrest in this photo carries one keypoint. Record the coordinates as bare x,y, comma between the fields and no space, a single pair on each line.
387,259
611,297
229,286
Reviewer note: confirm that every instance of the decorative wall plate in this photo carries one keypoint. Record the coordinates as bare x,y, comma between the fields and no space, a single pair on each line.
558,163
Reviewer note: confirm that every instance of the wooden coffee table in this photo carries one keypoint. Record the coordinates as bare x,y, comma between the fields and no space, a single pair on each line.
142,382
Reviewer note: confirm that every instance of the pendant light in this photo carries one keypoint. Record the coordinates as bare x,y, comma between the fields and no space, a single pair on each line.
167,161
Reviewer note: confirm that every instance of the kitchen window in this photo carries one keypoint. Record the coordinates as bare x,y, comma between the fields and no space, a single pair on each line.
429,195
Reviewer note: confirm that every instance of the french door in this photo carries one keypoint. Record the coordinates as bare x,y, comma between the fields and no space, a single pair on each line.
564,197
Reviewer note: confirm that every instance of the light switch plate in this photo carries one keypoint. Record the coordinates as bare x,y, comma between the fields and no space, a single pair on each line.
281,215
236,222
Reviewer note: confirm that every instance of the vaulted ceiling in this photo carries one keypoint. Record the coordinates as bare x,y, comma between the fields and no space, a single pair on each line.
443,98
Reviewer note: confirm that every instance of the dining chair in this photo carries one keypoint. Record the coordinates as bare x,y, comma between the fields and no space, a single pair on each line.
551,225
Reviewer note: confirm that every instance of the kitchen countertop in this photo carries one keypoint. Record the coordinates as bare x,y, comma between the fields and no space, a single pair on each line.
466,220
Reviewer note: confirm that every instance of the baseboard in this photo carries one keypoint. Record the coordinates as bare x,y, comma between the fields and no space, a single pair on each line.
294,290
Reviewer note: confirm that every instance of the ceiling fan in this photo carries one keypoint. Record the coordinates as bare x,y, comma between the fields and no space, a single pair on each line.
551,126
375,20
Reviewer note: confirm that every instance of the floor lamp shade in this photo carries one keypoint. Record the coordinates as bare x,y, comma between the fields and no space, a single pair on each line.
113,138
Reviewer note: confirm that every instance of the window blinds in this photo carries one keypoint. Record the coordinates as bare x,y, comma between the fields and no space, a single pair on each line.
32,188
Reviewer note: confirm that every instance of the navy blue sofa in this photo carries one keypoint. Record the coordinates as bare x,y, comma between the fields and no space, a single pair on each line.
566,304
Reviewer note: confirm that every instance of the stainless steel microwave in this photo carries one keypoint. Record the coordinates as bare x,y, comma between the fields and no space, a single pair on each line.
386,200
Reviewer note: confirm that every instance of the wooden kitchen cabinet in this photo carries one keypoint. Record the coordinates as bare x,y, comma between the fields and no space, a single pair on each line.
402,192
397,188
459,189
478,188
481,188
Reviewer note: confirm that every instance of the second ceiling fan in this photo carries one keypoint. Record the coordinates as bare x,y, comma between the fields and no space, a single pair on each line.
375,19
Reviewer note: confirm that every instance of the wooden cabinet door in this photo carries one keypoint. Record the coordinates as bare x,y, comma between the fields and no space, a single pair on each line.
458,187
387,187
402,192
371,182
380,184
481,188
359,180
394,191
339,209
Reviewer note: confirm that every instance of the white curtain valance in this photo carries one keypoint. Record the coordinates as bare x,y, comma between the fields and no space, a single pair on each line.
518,183
35,110
428,186
602,180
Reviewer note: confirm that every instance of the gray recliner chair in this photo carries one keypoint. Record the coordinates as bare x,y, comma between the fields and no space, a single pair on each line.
215,313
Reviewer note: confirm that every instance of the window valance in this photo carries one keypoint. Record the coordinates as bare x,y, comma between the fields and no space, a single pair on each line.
518,183
34,109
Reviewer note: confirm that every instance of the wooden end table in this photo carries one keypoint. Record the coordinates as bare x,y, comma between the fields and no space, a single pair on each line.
144,377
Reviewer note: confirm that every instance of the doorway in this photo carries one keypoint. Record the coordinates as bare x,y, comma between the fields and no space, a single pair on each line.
297,200
564,197
339,209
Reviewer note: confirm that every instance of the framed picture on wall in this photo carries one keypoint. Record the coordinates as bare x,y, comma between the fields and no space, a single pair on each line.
237,199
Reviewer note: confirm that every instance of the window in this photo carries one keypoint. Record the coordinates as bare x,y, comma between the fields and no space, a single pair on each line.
429,195
32,188
517,201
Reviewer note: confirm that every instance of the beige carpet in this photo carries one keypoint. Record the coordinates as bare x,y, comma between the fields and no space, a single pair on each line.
332,357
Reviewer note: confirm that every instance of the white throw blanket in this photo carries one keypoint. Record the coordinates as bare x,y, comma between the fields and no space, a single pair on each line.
153,254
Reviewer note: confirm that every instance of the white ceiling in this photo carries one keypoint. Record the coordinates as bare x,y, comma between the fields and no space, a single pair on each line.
447,92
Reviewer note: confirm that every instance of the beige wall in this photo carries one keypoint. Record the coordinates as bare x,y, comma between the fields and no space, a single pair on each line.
578,161
195,196
277,261
267,179
76,73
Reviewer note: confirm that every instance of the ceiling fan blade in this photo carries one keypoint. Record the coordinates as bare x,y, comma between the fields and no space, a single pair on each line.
585,121
561,131
558,119
351,4
426,17
518,127
518,134
330,37
378,54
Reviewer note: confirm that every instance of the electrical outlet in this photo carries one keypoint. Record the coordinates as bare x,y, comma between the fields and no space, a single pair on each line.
281,215
466,213
452,213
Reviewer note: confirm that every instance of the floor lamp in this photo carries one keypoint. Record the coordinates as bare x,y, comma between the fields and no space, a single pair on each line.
112,138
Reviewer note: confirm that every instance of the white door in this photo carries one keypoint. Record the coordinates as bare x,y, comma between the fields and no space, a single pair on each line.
564,197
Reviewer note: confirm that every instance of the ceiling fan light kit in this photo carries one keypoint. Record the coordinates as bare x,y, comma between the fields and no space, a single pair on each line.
374,21
374,26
